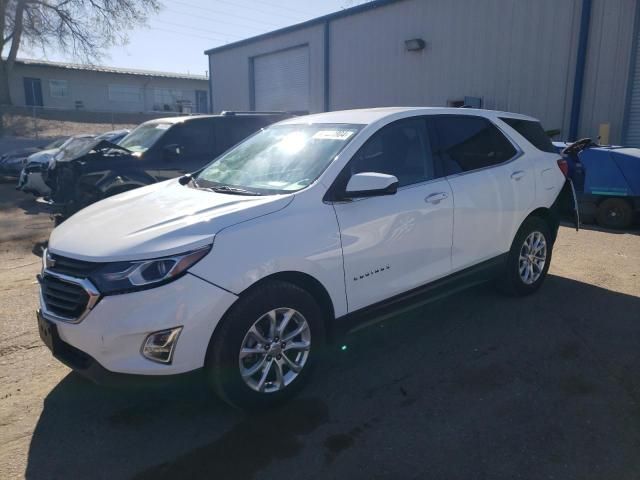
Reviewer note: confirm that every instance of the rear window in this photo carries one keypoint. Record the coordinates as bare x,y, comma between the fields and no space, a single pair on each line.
533,132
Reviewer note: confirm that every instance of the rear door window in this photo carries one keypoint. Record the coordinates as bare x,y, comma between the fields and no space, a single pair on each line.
467,143
532,132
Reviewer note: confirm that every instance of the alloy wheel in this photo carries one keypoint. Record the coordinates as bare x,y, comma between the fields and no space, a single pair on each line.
533,257
274,350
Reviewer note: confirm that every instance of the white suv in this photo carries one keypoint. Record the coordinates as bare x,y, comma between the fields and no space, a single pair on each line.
242,270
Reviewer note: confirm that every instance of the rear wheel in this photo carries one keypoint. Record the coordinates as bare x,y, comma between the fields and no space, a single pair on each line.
264,350
615,213
529,258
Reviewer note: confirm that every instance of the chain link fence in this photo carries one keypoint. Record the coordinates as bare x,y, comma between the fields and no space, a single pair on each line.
46,122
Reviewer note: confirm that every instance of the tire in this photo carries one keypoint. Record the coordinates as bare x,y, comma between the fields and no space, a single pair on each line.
615,213
522,277
223,363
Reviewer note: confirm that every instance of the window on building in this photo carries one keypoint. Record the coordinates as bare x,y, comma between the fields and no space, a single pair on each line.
58,88
469,143
400,149
124,93
533,132
167,99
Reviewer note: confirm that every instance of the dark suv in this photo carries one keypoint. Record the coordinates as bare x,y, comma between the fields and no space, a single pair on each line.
154,151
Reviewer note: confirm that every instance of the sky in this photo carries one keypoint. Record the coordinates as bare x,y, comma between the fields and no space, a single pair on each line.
174,40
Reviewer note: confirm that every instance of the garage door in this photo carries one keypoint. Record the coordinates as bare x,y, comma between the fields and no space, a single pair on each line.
281,80
632,135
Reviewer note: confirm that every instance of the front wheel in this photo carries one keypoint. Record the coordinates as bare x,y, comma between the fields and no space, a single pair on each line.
529,258
265,348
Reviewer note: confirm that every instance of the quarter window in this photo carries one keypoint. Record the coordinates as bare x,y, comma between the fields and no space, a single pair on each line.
532,132
58,88
400,149
468,143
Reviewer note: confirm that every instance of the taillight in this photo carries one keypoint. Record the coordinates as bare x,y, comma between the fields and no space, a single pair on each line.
564,166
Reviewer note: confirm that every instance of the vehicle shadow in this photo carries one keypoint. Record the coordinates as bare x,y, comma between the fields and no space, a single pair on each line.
498,377
633,230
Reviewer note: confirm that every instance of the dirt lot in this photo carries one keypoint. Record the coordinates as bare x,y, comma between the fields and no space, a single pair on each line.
474,386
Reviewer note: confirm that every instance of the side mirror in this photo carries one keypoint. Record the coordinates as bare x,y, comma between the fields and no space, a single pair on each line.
171,152
371,184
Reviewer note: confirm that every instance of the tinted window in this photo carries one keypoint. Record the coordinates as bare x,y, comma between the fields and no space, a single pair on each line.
468,143
232,130
399,149
195,139
533,132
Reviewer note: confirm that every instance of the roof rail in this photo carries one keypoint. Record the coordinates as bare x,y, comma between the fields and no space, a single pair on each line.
231,113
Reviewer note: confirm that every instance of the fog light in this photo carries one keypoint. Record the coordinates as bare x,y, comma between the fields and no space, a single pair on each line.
159,346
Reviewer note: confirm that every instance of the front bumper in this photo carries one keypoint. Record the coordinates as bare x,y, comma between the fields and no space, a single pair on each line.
89,368
110,337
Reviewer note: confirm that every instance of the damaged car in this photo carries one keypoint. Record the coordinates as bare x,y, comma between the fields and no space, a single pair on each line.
31,178
155,151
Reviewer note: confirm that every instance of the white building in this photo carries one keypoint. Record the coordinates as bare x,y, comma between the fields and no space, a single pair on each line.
97,88
575,64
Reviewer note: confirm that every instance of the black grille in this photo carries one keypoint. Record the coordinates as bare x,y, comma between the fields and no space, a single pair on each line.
72,267
64,298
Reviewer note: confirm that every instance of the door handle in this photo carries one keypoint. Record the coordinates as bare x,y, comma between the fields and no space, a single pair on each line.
517,175
436,198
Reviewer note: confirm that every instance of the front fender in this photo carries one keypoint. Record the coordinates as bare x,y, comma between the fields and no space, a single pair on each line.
301,237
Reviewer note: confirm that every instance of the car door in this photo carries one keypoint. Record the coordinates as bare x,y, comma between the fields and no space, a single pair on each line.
491,184
392,244
186,147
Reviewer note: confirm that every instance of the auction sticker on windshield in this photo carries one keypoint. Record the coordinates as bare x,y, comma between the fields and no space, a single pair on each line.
333,134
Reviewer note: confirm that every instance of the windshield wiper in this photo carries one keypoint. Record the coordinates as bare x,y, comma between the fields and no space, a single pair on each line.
233,190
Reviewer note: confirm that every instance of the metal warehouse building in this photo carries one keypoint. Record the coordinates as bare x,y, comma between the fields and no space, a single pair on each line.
68,86
575,64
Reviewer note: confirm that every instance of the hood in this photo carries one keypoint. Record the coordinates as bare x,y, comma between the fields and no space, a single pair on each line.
23,152
162,219
43,156
94,145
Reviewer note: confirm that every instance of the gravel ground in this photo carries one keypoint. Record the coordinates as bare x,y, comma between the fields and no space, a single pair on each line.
473,386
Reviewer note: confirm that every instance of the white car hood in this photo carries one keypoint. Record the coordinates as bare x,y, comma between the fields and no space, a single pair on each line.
162,219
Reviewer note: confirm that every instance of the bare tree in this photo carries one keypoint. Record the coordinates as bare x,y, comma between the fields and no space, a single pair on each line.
81,28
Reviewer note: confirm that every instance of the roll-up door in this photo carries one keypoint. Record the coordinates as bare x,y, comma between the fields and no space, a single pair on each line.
281,80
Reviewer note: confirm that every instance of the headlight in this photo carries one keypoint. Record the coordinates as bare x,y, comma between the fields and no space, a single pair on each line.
122,277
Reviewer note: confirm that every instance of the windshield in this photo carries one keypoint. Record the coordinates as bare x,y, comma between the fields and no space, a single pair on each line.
143,137
74,146
56,144
279,159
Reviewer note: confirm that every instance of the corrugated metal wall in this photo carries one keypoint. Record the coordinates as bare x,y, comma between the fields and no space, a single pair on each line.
632,134
607,68
518,55
513,54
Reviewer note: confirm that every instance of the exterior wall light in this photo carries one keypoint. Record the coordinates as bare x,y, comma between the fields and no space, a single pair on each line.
415,44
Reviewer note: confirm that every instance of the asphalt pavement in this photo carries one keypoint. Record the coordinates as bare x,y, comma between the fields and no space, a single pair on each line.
473,386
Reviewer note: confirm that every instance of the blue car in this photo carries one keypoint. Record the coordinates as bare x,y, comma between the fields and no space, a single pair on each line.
607,181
